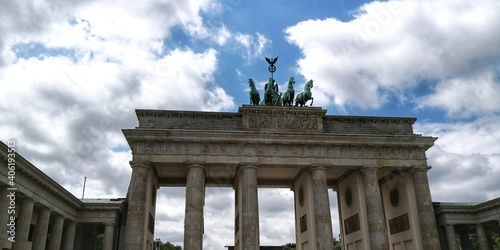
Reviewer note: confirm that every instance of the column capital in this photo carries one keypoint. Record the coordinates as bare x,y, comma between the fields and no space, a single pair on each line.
27,200
367,168
196,165
143,164
244,165
423,168
45,209
109,223
317,167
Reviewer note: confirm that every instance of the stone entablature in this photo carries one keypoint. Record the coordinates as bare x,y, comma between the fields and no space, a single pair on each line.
163,146
298,136
275,120
467,212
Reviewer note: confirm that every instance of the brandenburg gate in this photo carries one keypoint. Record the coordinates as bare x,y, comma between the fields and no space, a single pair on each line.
377,166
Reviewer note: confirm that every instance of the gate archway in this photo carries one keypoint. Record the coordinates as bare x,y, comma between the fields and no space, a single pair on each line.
368,160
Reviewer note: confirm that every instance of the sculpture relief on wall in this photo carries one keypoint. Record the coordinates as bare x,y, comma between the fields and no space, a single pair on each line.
279,150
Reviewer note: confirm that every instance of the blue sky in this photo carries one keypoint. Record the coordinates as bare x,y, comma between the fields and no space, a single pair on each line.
72,73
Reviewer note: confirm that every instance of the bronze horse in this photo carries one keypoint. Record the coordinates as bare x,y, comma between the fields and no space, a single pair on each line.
254,94
290,93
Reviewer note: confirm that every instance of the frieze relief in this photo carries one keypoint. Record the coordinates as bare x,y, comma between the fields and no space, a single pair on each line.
282,122
280,150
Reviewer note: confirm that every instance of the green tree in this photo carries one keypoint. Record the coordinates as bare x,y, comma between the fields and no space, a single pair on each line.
496,241
99,242
170,246
289,246
337,245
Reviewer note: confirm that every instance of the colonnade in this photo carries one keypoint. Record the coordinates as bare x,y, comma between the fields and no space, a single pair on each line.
247,214
34,223
464,242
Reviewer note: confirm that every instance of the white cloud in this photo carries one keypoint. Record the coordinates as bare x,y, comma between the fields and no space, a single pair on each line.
476,95
97,63
392,46
465,160
99,60
254,45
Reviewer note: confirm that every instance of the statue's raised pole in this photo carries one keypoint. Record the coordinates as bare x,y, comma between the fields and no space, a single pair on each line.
271,67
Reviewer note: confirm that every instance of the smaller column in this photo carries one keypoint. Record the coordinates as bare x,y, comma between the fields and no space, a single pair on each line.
41,229
92,237
451,237
195,198
4,215
465,240
322,216
482,238
23,225
69,236
109,233
374,209
56,232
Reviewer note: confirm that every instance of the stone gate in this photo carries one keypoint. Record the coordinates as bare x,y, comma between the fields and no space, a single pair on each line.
377,166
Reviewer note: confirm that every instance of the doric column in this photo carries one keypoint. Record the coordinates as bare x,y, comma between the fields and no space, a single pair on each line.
374,209
451,237
69,236
109,233
136,214
4,216
92,237
195,198
322,216
249,207
23,225
41,229
465,240
482,238
56,231
426,217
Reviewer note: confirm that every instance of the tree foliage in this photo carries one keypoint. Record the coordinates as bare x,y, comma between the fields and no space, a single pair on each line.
170,246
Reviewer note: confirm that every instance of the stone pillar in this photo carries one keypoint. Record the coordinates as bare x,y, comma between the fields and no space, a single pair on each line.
4,216
195,199
451,237
92,237
322,216
426,217
482,238
137,214
41,229
69,236
249,207
56,231
465,241
109,234
23,225
374,209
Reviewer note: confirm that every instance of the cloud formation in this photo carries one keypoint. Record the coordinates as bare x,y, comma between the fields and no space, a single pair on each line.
72,73
393,46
